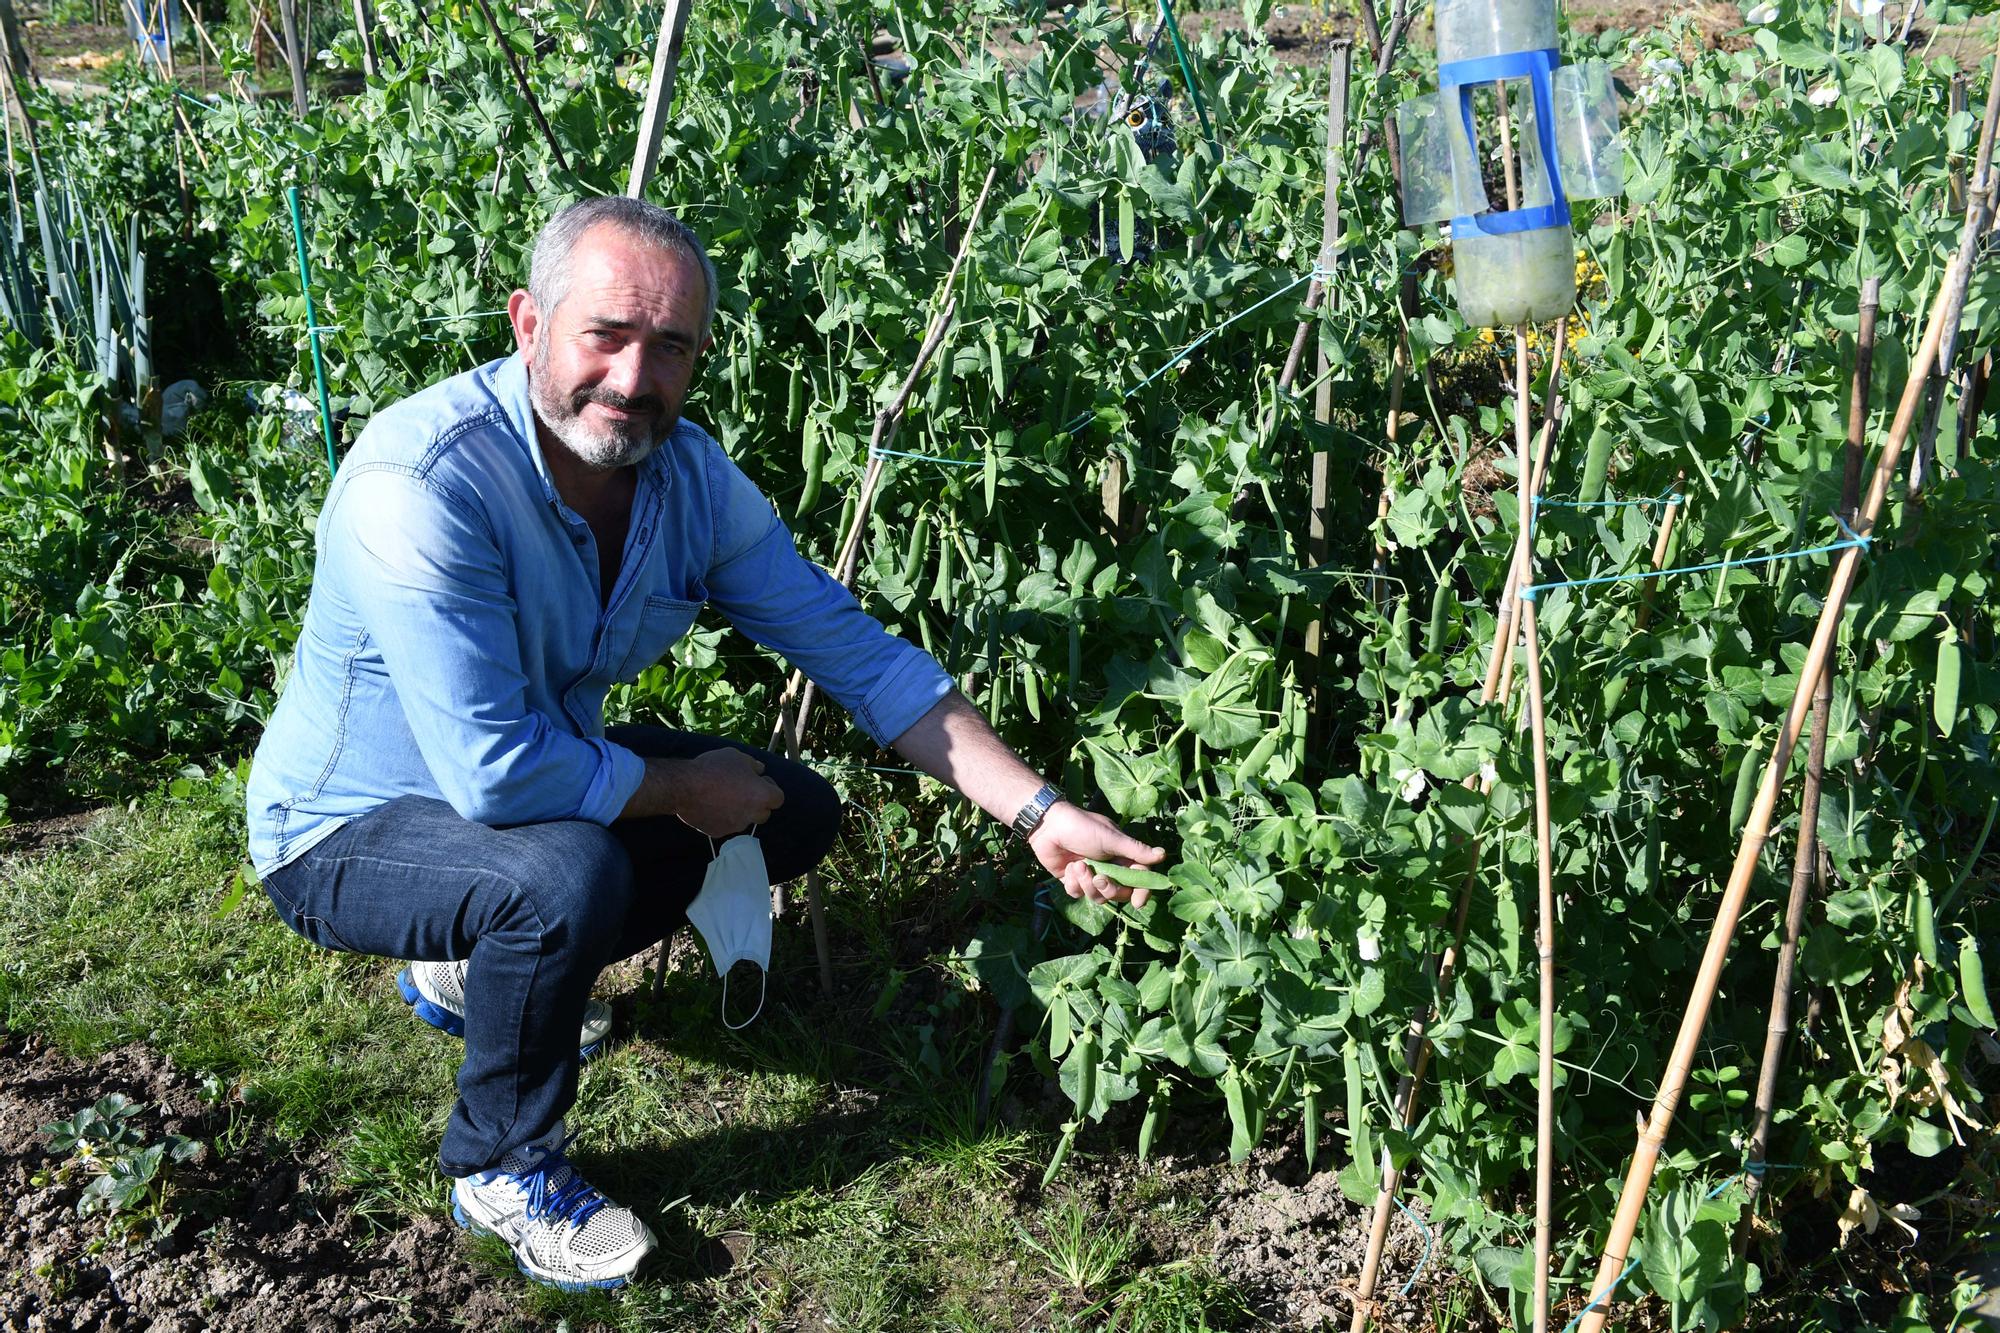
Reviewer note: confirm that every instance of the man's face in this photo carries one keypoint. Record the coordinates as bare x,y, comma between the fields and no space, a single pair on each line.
609,367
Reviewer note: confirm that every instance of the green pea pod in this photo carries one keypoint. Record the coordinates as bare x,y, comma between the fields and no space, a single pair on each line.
1131,876
1150,1125
1075,656
795,397
918,549
812,459
1440,612
1747,778
1310,1102
1944,698
1260,754
1596,461
1972,983
1240,1141
1926,923
942,591
1031,691
1062,1151
1086,1073
1399,627
1614,690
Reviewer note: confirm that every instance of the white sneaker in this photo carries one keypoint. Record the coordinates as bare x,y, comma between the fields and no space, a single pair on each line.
437,992
563,1232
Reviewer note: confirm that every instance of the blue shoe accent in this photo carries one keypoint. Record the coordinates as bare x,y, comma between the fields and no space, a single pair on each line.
444,1020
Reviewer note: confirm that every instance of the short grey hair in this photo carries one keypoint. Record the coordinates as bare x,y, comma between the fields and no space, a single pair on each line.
549,267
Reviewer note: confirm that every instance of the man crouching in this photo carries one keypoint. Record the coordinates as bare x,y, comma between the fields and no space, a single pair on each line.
437,783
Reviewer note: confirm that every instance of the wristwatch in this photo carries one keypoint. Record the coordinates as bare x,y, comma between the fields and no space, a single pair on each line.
1030,817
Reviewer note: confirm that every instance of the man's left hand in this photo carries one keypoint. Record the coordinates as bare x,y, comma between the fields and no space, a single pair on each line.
1069,839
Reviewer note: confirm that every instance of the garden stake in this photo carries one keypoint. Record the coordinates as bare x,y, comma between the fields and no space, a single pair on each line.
364,27
288,15
312,327
659,94
1639,1177
1978,213
1500,661
847,563
1806,858
1338,64
521,82
1438,183
1399,369
1671,511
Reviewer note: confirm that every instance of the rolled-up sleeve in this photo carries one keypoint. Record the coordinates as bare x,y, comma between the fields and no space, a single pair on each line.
780,599
426,576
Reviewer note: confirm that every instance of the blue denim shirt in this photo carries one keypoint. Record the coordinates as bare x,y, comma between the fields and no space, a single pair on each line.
456,645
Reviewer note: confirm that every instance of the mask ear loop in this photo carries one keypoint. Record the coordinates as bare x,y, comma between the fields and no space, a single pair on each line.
763,980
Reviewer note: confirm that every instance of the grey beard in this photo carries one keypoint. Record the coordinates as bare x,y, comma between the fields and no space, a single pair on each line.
607,450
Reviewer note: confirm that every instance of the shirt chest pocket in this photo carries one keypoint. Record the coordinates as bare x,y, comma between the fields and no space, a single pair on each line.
662,621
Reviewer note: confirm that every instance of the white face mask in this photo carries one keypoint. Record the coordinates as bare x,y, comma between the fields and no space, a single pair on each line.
733,914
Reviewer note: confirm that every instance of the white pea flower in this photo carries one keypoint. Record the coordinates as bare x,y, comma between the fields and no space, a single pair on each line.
1760,15
1371,948
1488,774
328,59
1664,65
1867,9
1825,95
579,44
1411,782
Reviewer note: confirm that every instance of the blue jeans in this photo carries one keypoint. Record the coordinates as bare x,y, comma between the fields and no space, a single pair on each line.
539,909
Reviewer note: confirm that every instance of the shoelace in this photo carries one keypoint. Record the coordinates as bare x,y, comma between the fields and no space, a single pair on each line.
575,1201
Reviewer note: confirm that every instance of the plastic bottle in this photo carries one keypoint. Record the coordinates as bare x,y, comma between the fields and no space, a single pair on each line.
1510,266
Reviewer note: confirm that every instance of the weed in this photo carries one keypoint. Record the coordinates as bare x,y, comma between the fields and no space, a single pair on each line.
1080,1256
131,1181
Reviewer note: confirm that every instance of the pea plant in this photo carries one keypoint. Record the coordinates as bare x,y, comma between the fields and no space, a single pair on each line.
1121,319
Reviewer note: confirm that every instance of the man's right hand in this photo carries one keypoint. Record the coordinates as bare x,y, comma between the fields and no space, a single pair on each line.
718,793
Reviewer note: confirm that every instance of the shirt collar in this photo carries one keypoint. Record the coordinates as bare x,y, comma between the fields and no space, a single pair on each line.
511,388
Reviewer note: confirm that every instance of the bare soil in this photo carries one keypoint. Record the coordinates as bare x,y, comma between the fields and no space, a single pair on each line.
267,1243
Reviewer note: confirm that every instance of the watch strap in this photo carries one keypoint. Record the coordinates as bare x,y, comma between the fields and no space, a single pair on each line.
1030,816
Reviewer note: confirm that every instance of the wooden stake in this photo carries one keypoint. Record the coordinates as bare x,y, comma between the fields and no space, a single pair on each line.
364,27
1339,63
1806,858
659,94
1661,541
1639,1177
288,14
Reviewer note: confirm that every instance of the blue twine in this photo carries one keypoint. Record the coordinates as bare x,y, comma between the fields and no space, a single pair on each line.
1423,1227
1854,538
470,314
1083,418
927,458
1754,1168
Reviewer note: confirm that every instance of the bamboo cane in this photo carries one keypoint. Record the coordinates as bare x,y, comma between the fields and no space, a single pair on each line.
1638,1179
1779,1029
1501,664
1416,1046
1661,541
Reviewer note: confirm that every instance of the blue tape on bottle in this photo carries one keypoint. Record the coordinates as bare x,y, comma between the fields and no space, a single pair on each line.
1536,67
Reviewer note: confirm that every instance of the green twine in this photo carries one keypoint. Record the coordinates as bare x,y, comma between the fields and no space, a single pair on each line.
312,328
1187,73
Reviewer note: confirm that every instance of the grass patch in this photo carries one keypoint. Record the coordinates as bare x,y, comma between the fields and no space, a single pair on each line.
823,1168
